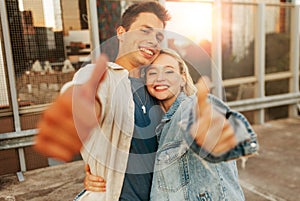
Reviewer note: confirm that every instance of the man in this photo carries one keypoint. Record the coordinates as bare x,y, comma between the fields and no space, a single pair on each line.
145,21
107,105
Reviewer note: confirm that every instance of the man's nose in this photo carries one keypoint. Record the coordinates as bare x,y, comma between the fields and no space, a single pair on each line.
153,40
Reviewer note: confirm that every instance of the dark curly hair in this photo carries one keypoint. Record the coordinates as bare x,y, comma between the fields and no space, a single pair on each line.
132,12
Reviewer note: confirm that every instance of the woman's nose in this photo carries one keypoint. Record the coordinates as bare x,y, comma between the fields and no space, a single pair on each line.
160,76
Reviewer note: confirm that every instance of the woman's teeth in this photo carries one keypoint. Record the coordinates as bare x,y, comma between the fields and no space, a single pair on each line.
160,87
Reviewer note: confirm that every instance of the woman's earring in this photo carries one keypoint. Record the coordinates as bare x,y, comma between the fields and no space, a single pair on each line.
182,86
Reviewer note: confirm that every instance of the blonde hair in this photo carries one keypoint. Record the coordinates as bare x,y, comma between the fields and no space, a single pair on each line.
189,87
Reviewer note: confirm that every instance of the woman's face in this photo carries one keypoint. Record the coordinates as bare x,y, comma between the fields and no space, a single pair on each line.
164,80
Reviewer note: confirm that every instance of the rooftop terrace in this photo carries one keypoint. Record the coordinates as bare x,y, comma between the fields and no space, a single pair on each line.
273,175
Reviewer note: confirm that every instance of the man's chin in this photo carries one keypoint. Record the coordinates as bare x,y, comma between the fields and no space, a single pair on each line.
145,62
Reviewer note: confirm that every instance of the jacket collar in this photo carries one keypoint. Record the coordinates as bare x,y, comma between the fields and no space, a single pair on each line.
169,114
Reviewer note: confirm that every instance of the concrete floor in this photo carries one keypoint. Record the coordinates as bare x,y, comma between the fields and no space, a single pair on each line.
273,175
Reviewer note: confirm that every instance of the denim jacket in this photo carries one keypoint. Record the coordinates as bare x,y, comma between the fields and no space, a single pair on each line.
181,169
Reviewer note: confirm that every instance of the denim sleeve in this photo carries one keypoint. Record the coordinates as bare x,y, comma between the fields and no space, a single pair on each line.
246,137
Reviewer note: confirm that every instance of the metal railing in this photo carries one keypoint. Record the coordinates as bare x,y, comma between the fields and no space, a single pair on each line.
21,138
261,102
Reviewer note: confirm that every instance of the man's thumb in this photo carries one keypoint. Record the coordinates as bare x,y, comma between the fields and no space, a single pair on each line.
99,72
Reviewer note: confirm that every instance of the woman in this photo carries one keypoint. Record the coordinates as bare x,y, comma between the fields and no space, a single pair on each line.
180,173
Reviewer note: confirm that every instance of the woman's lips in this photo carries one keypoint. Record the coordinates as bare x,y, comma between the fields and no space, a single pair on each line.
161,87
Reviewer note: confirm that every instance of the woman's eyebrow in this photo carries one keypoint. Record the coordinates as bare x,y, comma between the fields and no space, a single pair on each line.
150,67
153,66
168,66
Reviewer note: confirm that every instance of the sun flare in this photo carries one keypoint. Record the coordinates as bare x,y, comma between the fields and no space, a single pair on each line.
191,19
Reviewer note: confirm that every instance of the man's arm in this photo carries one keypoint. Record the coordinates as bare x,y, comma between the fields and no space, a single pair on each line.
71,117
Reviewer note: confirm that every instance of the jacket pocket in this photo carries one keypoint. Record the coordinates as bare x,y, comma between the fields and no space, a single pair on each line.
171,168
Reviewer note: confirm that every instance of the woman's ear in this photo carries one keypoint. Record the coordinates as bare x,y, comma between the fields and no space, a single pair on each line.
120,31
183,82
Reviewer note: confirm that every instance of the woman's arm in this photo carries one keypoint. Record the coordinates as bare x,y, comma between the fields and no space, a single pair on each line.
93,183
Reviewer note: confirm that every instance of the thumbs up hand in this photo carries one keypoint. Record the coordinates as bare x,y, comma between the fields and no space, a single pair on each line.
86,105
211,130
71,117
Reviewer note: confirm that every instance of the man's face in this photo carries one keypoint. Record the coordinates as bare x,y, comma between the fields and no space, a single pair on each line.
140,45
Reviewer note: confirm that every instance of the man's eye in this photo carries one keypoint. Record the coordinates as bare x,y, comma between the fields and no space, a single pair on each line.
145,31
160,37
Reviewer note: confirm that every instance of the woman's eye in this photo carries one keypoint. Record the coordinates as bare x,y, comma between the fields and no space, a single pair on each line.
152,73
169,71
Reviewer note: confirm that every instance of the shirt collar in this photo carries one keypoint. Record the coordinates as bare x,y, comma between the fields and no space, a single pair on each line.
115,66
